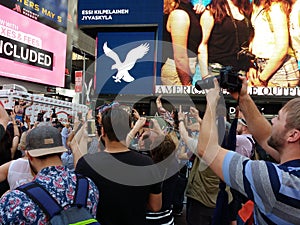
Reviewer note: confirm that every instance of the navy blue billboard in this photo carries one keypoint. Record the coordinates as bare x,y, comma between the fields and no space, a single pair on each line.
113,12
53,13
126,62
128,48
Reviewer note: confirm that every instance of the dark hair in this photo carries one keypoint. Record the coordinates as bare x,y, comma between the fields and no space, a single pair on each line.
116,123
163,150
218,8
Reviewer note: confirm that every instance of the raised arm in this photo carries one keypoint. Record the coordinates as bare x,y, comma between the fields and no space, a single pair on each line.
4,117
258,125
136,128
208,147
16,138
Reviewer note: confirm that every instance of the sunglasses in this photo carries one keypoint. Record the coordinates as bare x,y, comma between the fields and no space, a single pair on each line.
103,108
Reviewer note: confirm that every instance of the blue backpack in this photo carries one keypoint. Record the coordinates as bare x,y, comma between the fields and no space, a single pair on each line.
77,214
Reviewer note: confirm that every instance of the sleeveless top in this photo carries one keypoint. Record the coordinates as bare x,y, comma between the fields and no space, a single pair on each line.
19,173
222,44
194,35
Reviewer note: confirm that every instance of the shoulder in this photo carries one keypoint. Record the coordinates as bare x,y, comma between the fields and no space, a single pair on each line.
17,207
242,139
179,16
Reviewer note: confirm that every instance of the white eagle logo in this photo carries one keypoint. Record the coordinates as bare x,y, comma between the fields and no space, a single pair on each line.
123,68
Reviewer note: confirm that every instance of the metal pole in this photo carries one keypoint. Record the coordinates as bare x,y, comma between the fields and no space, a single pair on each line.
83,80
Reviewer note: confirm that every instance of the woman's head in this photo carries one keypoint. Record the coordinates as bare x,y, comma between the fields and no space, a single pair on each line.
163,150
285,4
218,8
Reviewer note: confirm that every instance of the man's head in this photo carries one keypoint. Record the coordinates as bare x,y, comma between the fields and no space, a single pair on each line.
115,123
242,127
44,141
286,126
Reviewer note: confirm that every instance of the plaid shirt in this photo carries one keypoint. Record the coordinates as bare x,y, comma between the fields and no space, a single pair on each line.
17,208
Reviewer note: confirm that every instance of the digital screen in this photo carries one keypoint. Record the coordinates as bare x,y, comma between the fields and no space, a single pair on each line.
30,50
126,65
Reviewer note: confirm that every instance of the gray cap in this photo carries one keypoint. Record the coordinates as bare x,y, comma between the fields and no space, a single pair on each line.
44,140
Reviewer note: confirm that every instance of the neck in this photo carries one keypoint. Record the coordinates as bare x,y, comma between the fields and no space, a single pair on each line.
115,147
290,153
40,164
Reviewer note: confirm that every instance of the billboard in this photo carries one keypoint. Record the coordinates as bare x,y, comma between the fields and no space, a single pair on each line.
52,13
126,65
118,12
30,50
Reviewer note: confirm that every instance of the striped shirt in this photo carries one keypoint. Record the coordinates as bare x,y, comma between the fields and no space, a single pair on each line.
275,189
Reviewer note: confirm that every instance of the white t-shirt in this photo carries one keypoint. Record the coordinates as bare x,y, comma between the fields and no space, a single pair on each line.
19,173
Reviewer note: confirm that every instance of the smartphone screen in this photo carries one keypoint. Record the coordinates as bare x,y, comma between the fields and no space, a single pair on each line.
91,128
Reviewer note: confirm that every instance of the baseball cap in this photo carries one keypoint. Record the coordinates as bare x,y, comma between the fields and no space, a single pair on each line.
44,140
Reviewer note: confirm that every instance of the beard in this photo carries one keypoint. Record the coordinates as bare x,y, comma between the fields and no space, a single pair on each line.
276,142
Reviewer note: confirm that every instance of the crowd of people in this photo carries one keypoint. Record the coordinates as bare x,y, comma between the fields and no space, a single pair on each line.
143,168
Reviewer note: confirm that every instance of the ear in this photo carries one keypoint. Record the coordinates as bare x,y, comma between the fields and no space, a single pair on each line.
103,134
293,136
27,154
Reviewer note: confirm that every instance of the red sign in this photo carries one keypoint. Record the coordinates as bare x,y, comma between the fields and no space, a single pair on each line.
78,81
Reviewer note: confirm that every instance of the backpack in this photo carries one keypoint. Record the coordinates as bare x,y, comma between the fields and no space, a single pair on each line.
77,214
253,150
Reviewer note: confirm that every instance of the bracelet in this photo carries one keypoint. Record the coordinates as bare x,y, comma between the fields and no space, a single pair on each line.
16,136
181,120
130,135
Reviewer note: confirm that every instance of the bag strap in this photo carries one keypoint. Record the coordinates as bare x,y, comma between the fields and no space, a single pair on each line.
41,196
235,26
82,190
253,146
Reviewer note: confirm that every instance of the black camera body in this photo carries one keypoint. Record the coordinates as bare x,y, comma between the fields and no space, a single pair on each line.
228,79
245,52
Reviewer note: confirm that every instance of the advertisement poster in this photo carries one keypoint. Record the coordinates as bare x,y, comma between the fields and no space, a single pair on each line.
30,50
125,66
52,13
189,66
114,12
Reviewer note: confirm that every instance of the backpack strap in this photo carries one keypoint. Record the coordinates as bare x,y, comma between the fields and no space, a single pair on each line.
82,190
253,147
41,196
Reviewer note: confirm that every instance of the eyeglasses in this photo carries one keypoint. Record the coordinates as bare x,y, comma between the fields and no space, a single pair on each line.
103,108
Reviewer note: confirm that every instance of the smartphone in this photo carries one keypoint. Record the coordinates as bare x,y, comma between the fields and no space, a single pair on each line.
91,128
147,123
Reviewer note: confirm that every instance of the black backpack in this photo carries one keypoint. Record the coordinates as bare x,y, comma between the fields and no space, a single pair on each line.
76,214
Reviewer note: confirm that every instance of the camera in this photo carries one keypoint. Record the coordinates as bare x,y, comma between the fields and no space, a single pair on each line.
245,52
228,79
